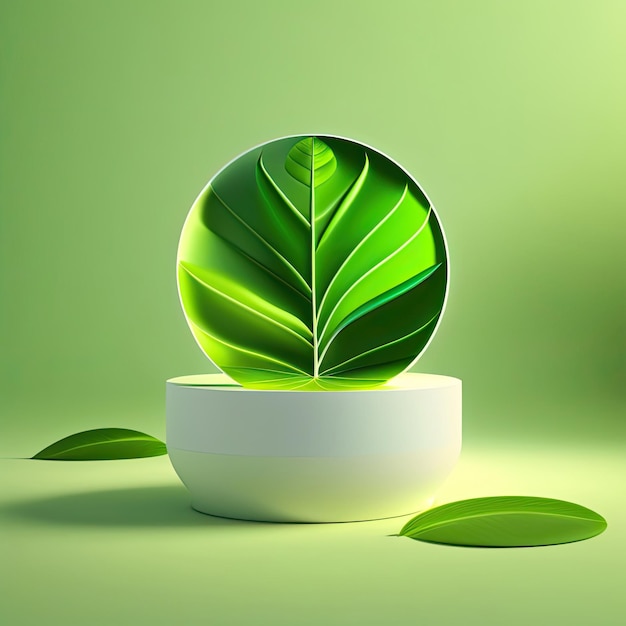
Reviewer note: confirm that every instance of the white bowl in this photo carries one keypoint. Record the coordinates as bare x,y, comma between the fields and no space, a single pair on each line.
313,456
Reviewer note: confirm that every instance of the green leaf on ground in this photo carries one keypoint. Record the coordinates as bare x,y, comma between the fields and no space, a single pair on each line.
103,444
505,522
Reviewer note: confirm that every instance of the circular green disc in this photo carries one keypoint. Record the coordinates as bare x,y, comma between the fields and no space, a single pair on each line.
312,262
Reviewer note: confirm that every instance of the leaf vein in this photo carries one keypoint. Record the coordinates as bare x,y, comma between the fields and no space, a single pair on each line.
364,276
441,524
266,243
282,195
358,247
345,203
381,347
273,274
259,355
246,307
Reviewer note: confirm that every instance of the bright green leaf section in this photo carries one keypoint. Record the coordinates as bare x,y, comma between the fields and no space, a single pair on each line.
103,444
312,263
506,522
311,161
385,298
241,296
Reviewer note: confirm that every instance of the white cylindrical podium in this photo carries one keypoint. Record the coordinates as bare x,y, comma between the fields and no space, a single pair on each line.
313,456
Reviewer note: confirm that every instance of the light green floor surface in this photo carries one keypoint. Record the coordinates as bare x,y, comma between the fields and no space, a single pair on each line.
116,542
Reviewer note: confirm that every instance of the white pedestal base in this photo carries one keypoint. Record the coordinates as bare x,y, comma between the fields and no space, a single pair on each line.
313,456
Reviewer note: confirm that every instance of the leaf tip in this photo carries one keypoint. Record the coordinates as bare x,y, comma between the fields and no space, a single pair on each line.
311,161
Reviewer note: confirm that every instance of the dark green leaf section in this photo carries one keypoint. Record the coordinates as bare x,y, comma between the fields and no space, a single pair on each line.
506,522
312,263
103,444
388,296
390,335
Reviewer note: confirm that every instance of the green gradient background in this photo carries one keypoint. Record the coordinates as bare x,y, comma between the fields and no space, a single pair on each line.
510,115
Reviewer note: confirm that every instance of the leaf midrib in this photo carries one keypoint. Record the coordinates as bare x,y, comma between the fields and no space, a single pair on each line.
314,311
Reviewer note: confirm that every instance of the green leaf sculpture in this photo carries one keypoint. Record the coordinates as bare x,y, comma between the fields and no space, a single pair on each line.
505,522
103,444
312,263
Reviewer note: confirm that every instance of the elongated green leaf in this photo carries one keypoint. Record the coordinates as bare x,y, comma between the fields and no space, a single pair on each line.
103,444
505,522
312,263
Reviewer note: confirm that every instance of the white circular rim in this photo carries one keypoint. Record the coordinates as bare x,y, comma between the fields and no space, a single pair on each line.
342,138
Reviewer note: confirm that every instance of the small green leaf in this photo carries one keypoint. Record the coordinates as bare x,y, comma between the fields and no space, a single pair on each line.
103,444
505,522
311,162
